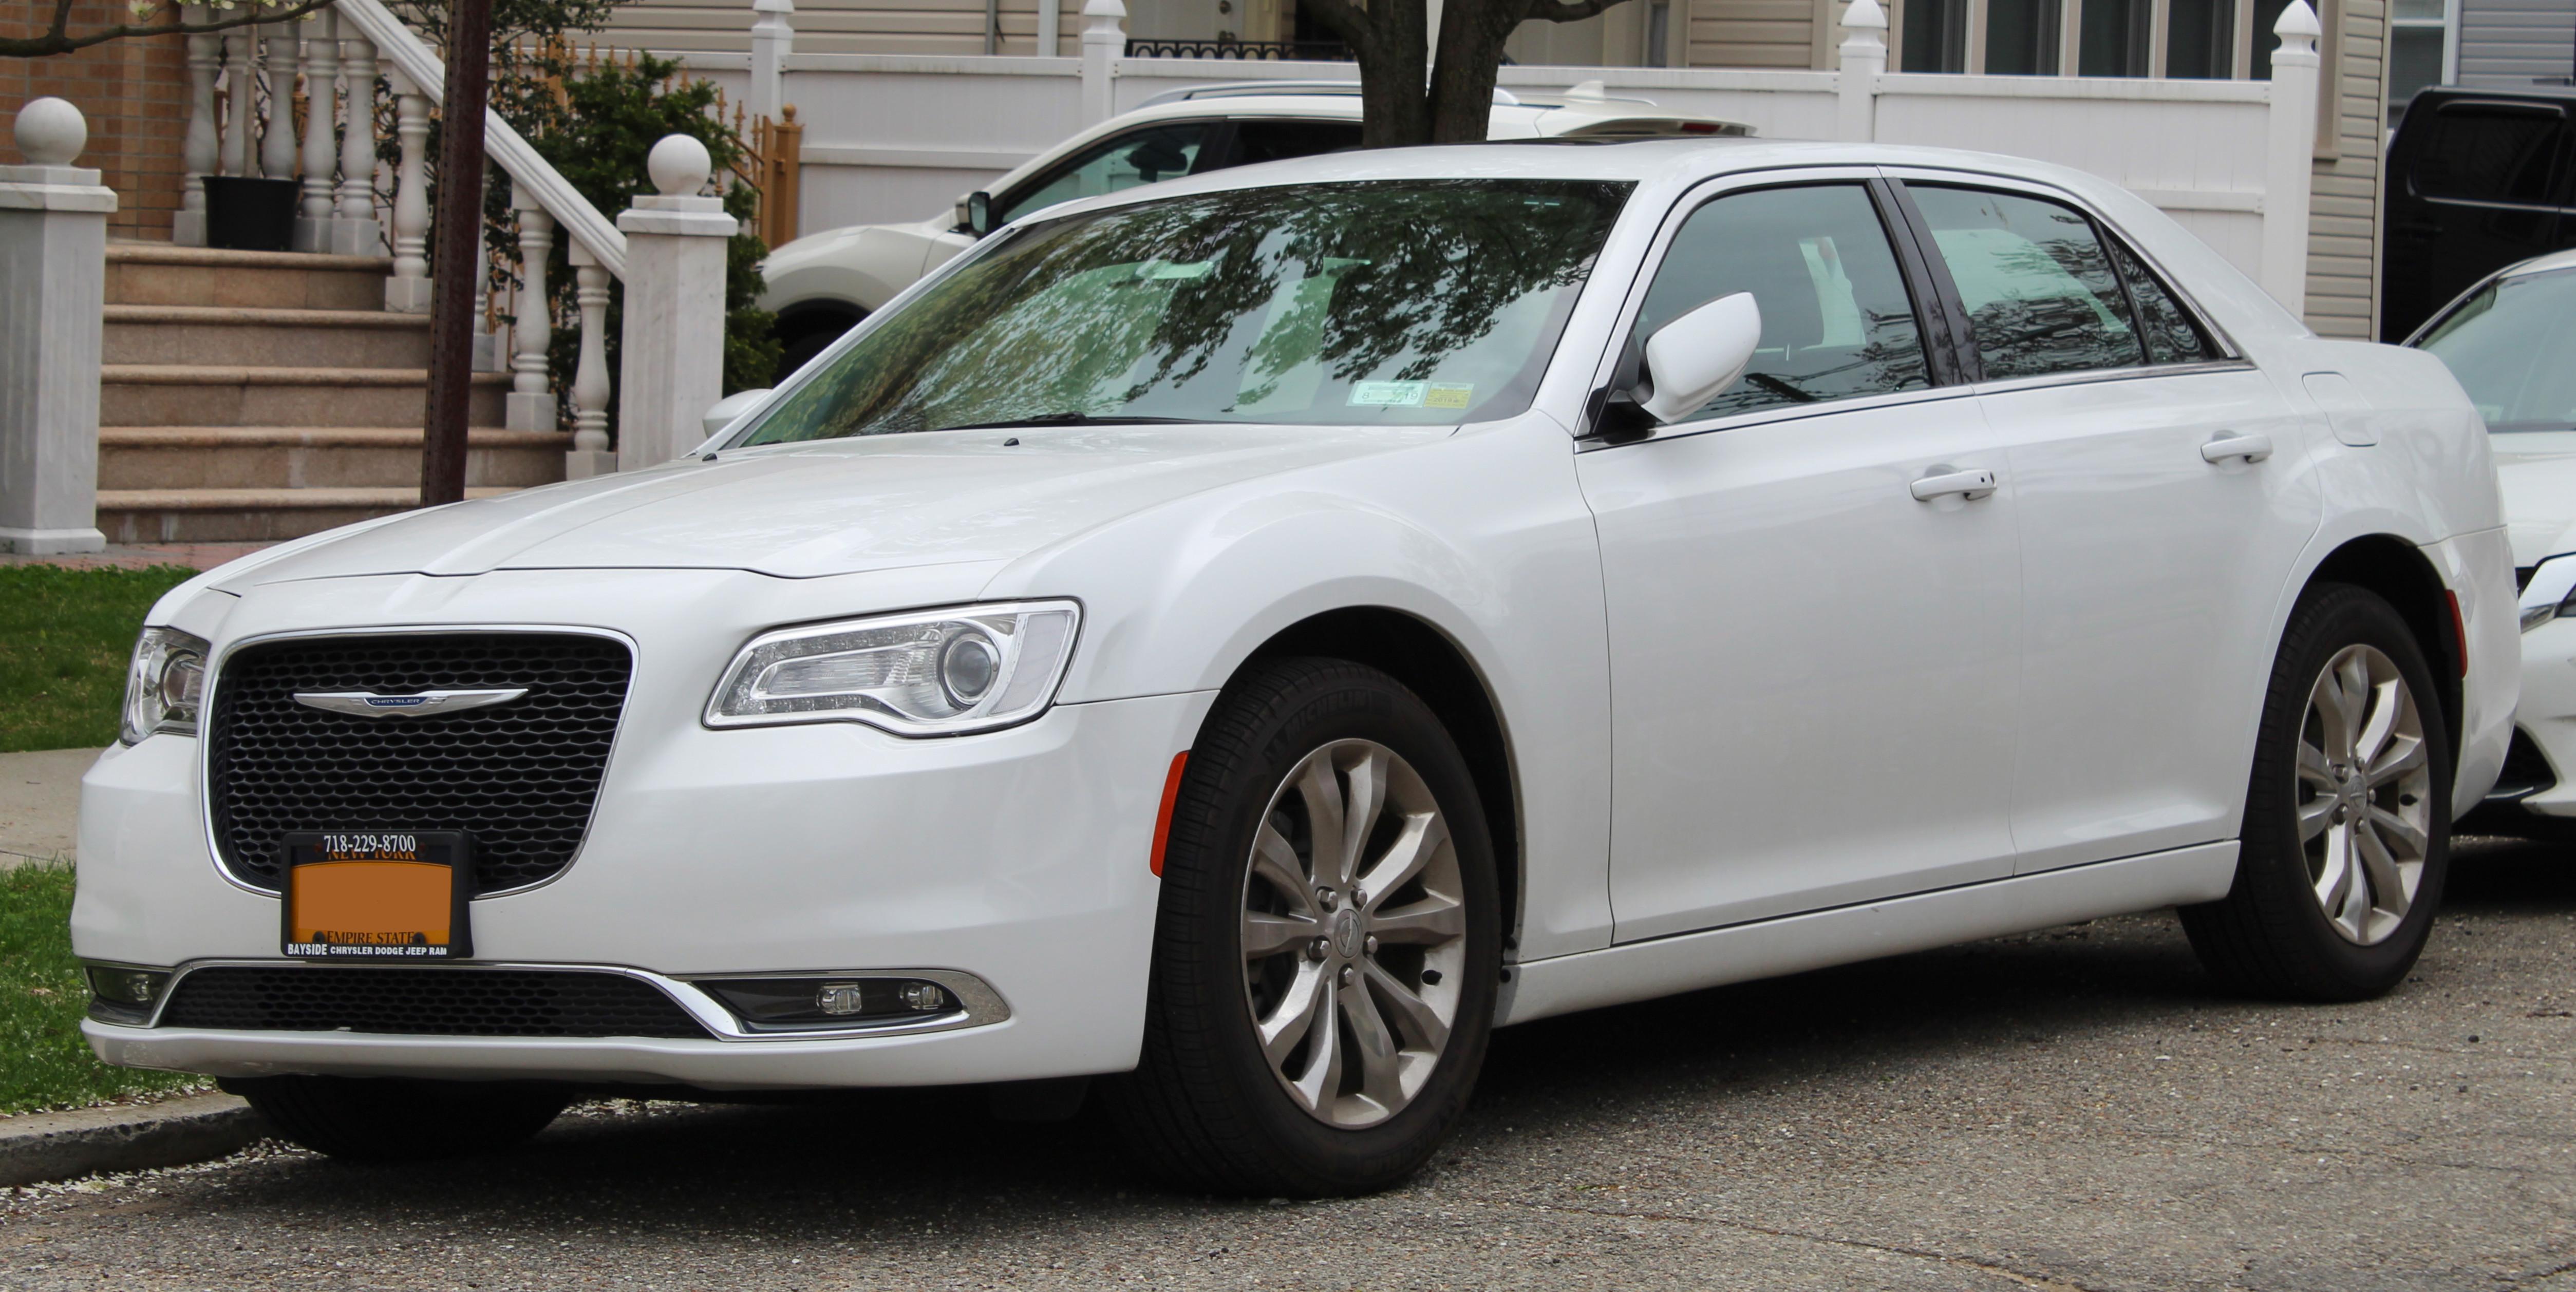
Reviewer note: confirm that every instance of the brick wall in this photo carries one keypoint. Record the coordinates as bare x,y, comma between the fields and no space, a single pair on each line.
135,94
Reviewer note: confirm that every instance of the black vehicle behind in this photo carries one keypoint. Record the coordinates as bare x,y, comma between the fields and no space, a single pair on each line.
2477,179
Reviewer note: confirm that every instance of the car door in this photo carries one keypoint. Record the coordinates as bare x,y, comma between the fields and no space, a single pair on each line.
1812,584
2163,494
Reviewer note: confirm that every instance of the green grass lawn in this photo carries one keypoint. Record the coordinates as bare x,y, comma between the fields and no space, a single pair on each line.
64,639
43,1061
65,636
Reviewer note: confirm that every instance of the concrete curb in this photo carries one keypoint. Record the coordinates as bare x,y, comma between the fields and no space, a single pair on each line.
125,1137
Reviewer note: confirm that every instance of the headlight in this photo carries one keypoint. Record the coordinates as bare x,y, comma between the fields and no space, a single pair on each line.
934,673
2551,592
164,684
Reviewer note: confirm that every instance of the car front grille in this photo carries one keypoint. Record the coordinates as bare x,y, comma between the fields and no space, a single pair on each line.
521,778
425,1002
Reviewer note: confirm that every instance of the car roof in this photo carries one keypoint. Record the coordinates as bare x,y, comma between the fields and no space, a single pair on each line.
1641,161
2536,265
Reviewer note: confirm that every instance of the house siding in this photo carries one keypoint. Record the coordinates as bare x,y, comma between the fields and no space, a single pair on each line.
1753,33
835,26
2505,42
2343,212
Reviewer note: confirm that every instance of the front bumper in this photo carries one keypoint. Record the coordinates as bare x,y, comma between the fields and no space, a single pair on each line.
1018,857
2545,726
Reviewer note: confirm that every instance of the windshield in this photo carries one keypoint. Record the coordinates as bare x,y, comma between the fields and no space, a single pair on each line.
2513,347
1397,302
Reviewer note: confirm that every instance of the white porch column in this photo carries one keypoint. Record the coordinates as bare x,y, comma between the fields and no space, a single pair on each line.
2289,158
1864,57
277,138
772,39
241,88
1104,42
321,153
671,368
407,292
53,294
531,402
354,231
197,155
590,454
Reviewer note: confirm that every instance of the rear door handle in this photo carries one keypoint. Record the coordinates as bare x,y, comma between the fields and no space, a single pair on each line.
2252,448
1967,484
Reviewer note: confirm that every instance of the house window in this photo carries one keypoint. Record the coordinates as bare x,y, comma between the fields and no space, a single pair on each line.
2186,39
2423,49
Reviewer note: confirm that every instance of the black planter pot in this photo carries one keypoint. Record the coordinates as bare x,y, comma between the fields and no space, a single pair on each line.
251,214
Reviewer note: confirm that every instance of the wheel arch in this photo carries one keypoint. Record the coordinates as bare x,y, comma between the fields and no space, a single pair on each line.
1435,667
2398,571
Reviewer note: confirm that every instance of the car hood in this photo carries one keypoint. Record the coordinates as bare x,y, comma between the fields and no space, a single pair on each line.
837,506
2537,472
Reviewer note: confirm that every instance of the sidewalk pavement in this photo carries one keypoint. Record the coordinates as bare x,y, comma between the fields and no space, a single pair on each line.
40,804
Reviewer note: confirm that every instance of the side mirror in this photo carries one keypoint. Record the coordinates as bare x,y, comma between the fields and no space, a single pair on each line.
979,212
732,406
1694,358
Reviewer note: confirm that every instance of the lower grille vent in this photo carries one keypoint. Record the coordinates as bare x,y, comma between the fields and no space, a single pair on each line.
426,1002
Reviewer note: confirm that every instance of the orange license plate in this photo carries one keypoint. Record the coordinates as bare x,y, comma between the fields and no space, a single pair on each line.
390,895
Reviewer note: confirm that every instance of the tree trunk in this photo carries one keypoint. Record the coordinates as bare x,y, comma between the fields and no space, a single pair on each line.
1394,111
1470,57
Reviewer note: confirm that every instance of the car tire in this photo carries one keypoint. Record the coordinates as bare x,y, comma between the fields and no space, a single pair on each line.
2346,838
1210,1106
363,1119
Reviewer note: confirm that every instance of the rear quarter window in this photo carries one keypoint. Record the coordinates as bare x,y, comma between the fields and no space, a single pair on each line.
2475,152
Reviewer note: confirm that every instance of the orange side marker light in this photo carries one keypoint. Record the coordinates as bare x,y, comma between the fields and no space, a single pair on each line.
1163,818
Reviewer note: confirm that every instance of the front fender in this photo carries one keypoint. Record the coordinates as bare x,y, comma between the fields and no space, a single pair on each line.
1481,535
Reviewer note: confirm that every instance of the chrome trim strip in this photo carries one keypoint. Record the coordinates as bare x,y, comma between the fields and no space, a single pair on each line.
984,1006
422,704
2093,376
214,689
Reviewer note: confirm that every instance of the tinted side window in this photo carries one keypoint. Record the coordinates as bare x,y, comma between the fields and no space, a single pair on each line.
2038,288
1837,321
2171,335
2488,153
1156,153
1261,141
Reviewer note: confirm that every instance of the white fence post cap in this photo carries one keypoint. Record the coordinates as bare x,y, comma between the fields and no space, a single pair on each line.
2298,20
1865,13
679,165
1103,9
51,132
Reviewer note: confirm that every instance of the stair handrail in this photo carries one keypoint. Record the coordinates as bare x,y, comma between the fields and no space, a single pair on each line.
531,176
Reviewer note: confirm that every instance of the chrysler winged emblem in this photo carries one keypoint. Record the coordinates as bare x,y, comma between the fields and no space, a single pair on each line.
367,704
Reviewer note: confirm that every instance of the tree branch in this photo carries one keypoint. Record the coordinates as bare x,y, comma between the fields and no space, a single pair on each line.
57,40
1347,20
1554,11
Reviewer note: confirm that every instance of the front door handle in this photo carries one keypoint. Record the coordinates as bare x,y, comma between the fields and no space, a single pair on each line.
2252,448
1967,484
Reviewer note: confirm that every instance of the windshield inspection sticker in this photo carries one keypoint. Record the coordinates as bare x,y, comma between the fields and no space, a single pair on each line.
1389,394
1449,395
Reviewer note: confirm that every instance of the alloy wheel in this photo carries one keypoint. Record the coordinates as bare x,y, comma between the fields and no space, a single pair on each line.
2364,794
1354,933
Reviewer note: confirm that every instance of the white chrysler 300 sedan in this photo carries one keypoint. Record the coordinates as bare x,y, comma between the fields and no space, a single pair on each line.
1245,639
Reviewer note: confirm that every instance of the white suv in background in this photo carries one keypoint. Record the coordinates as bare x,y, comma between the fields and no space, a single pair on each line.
822,283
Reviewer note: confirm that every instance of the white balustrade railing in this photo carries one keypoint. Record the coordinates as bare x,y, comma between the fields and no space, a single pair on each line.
243,87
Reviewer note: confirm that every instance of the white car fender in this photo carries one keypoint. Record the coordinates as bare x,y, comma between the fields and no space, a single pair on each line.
1178,597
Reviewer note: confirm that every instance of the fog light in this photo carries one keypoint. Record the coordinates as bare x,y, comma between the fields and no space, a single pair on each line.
840,998
926,997
122,995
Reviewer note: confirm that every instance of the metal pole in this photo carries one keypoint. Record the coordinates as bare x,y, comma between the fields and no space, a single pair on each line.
456,260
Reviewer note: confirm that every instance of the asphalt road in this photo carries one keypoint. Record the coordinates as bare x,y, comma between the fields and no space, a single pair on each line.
2071,1109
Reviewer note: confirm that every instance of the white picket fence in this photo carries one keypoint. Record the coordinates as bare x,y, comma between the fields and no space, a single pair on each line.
898,137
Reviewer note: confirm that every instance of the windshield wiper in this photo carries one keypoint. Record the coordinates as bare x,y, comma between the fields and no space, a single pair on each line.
1068,419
